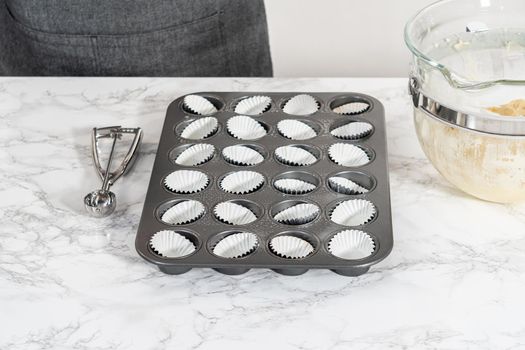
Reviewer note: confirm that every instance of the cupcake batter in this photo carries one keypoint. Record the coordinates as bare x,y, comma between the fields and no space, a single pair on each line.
514,108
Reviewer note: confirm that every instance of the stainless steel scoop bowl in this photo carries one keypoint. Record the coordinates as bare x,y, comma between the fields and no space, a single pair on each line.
102,203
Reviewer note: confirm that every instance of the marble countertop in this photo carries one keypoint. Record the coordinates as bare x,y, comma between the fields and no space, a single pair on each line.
455,278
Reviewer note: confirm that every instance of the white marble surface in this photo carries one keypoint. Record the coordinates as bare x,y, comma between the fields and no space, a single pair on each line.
455,279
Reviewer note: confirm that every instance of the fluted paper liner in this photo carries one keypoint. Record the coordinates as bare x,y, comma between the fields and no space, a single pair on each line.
233,213
171,244
301,105
254,105
351,245
345,186
348,155
352,108
200,129
236,245
354,212
242,155
294,186
186,181
293,155
290,247
296,130
242,182
195,155
245,128
183,212
199,105
352,131
298,214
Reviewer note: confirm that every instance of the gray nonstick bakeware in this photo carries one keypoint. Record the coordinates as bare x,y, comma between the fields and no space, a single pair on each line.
206,231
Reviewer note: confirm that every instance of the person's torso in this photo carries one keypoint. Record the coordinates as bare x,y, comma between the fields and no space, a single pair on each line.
130,37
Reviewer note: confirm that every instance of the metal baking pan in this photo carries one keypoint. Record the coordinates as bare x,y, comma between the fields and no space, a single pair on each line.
205,232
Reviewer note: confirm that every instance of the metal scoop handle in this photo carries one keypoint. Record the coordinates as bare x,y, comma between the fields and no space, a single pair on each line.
115,131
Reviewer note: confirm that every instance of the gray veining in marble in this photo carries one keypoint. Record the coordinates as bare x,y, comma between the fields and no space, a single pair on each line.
455,279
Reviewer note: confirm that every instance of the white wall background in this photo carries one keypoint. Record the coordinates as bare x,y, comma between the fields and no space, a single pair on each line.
340,38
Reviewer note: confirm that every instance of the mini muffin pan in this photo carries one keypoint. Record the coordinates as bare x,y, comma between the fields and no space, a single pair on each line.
271,189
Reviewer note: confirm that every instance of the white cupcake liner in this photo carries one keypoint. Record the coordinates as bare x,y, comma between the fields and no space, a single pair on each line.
293,155
352,131
233,213
294,186
195,155
200,129
254,105
171,244
236,245
352,108
296,130
354,212
245,128
242,182
298,214
186,181
183,212
242,155
291,247
199,105
348,155
345,186
351,245
301,105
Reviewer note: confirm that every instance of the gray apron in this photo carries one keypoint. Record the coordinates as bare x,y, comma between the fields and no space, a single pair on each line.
134,38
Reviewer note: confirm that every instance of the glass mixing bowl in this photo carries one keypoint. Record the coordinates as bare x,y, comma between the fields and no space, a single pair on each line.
468,87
